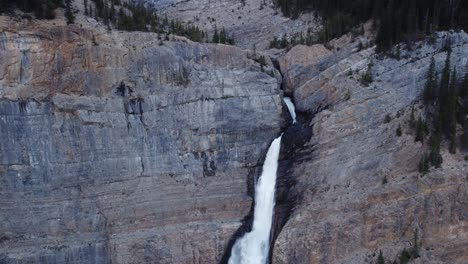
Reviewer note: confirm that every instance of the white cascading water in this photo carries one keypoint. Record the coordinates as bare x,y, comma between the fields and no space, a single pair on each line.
291,108
253,247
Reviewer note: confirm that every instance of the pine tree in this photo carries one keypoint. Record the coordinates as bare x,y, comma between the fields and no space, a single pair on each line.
215,35
464,85
464,110
405,257
412,119
452,112
380,259
399,131
86,7
223,36
424,164
284,41
69,13
444,92
431,83
434,143
419,131
415,251
274,43
465,134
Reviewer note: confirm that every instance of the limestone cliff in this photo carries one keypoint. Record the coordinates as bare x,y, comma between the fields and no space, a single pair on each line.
122,148
358,189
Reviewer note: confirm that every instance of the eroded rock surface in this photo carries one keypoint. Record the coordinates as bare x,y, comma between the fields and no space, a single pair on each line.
121,148
346,212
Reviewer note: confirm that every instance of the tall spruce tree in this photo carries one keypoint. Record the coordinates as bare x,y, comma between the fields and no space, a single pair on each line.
424,164
452,112
86,7
69,13
464,85
444,92
420,131
380,258
465,134
464,110
431,83
416,245
434,144
223,36
216,35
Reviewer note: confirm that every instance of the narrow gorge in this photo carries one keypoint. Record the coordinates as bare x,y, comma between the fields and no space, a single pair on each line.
131,147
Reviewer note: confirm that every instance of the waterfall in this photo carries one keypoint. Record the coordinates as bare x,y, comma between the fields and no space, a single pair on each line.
253,247
291,108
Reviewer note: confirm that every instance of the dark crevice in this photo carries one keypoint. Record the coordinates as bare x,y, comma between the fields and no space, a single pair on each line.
292,144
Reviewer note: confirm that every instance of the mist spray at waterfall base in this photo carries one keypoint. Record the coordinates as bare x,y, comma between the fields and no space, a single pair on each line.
253,247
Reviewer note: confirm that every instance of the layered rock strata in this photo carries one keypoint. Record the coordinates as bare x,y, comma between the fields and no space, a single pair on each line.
357,185
123,148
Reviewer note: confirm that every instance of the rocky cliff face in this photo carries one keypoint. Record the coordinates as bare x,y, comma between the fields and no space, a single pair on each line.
253,22
358,188
122,148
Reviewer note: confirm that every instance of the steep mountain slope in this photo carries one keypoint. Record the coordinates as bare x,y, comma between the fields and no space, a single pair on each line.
121,148
358,188
252,22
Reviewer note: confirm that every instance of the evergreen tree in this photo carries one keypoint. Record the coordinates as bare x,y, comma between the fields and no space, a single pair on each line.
399,131
86,7
380,258
464,110
452,112
444,92
424,164
69,13
405,257
431,83
412,118
465,134
50,6
434,143
464,86
416,246
419,131
215,35
367,78
222,36
284,41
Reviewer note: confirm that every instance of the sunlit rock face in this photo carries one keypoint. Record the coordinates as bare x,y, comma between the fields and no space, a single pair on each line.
122,148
